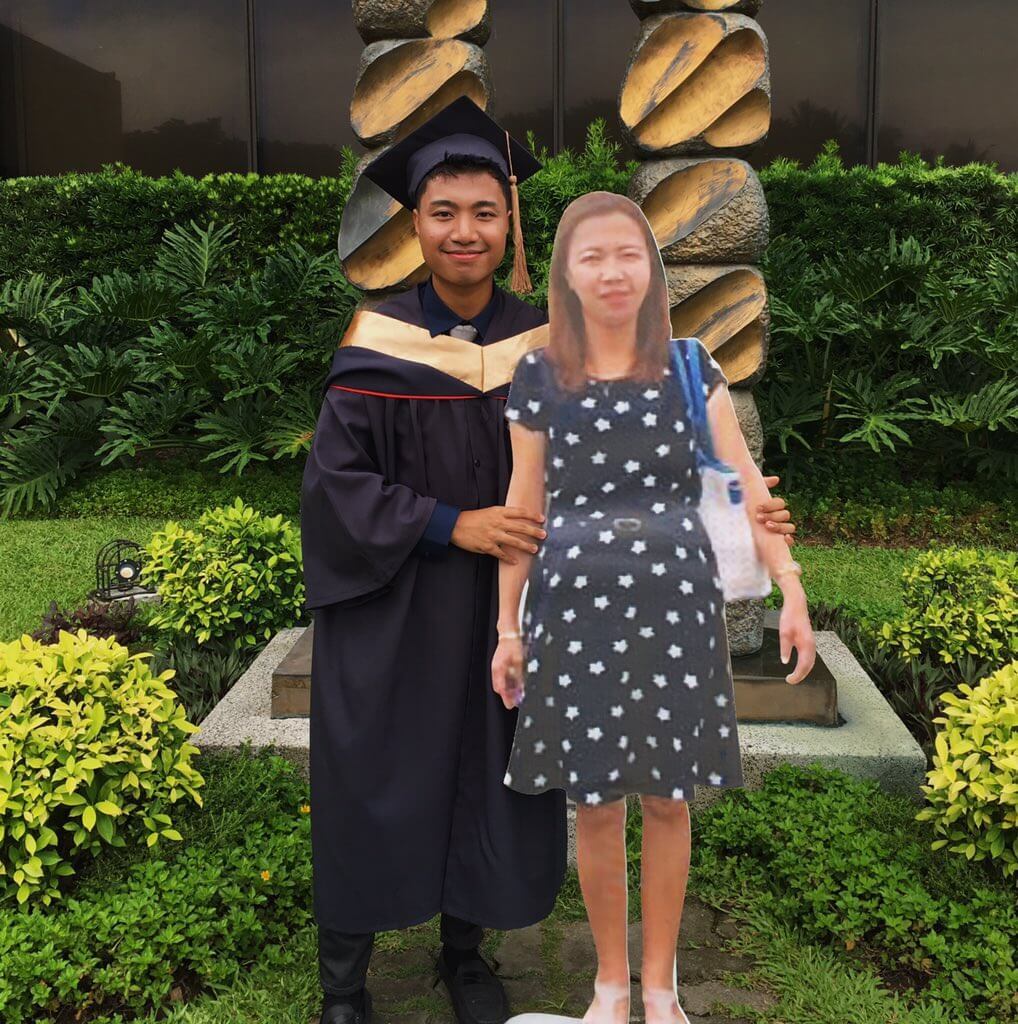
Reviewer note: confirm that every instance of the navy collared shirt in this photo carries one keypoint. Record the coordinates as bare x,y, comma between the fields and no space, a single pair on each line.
440,319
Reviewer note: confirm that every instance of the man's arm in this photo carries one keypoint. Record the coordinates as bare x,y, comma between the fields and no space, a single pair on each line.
438,532
357,530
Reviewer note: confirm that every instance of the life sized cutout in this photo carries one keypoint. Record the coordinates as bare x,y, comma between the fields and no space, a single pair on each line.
627,678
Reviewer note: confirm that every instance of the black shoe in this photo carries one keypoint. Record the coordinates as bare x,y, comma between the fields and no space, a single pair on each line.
346,1013
477,995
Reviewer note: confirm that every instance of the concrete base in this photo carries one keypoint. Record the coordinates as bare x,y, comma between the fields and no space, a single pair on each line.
870,740
542,1018
761,693
243,714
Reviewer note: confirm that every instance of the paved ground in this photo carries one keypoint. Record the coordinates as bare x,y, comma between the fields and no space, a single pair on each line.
550,968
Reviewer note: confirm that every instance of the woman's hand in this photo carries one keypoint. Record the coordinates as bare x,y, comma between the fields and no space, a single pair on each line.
507,671
794,630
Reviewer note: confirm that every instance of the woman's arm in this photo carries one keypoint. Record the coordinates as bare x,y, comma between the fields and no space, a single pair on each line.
526,490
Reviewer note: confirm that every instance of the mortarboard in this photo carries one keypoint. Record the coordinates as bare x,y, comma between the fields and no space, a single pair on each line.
460,129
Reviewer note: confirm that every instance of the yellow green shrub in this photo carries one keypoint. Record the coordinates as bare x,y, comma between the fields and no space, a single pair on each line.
93,751
972,791
957,601
237,574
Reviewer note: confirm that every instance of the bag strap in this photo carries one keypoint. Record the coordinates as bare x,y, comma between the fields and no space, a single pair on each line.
686,367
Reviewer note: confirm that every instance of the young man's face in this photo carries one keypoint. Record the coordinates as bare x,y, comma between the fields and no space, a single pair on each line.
462,222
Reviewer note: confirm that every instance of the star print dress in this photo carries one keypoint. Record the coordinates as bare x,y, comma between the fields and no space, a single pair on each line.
627,674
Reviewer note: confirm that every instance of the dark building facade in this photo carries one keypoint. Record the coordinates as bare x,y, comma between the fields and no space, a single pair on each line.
265,85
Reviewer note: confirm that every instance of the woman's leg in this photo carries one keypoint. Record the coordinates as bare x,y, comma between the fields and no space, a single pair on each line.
665,870
601,865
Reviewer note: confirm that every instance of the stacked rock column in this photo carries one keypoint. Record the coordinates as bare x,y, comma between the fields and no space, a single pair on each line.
696,92
420,56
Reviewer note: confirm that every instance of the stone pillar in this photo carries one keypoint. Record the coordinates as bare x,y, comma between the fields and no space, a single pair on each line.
420,56
695,94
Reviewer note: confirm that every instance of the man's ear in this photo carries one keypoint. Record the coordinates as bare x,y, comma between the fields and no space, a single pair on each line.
416,218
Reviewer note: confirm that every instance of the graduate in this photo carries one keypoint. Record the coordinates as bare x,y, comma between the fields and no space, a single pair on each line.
403,526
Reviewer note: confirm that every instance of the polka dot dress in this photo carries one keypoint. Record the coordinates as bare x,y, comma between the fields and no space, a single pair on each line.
628,679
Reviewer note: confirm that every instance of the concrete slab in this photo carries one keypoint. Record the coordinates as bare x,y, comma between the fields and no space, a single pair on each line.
870,740
244,712
761,693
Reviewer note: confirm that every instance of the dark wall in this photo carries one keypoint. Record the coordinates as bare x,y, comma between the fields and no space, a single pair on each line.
249,84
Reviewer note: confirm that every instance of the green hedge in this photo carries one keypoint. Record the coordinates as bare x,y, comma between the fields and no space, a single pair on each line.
79,225
962,212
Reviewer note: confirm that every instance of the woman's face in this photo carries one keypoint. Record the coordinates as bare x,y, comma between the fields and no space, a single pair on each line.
608,267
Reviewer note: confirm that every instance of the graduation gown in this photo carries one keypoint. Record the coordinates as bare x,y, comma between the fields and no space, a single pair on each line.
409,743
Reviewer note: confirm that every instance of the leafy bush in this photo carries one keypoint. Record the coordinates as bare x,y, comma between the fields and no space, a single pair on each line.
839,859
203,672
972,797
183,355
958,601
116,619
237,574
893,350
143,923
912,687
93,747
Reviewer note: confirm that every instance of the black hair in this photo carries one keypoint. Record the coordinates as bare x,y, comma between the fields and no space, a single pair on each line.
467,162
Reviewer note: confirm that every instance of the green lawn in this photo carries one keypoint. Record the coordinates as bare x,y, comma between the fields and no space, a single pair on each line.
43,560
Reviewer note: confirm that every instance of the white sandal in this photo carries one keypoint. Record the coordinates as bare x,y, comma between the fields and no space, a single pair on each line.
664,1002
606,996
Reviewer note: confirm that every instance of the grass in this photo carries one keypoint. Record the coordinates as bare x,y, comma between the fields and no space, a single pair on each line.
864,580
43,560
813,984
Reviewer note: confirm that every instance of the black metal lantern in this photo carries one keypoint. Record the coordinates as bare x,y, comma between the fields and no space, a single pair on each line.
118,571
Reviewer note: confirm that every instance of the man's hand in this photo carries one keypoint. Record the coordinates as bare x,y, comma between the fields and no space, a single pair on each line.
773,514
497,530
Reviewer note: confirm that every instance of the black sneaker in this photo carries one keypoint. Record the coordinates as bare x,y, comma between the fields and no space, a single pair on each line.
477,995
347,1013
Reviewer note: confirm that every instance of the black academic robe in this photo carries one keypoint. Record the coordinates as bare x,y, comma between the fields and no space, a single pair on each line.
409,743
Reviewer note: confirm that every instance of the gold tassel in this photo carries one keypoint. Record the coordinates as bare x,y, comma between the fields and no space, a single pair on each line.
520,281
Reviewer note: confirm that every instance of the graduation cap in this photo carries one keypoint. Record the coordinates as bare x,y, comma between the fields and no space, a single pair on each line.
460,129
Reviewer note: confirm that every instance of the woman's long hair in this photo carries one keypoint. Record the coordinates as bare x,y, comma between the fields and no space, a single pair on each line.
567,345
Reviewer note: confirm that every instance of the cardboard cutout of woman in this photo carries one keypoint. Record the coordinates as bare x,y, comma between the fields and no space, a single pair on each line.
622,668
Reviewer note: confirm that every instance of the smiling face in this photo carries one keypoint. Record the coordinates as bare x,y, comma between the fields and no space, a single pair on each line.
608,267
462,223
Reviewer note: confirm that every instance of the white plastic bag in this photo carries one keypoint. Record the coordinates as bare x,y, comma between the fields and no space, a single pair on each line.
722,509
